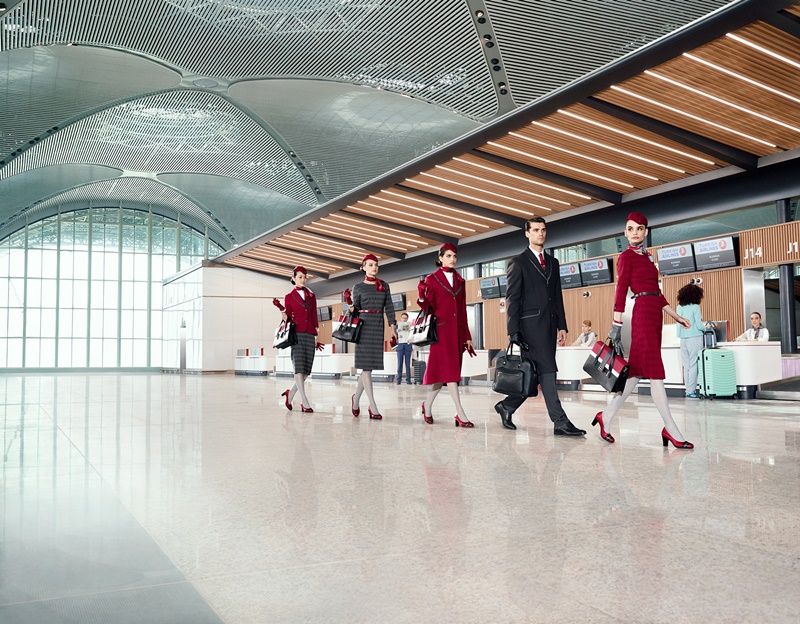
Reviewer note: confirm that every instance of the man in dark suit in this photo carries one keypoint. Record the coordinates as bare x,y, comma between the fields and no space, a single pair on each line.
536,320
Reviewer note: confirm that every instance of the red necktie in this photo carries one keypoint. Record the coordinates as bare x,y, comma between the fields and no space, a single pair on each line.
541,261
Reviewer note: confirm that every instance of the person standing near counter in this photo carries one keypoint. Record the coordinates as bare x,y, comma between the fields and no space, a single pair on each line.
757,332
689,298
402,331
587,337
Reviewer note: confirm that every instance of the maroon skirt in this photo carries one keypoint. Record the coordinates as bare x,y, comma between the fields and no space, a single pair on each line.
645,352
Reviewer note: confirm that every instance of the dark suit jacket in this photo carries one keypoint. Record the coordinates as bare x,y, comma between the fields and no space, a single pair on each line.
535,307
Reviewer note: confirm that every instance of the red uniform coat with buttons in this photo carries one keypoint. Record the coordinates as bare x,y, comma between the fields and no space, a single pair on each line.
638,272
449,303
302,312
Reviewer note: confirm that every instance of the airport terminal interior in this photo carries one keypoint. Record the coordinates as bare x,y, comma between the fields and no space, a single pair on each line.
167,165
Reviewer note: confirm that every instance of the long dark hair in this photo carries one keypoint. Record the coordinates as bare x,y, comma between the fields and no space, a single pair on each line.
690,294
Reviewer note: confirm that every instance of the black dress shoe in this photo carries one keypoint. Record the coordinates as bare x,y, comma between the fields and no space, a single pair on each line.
567,429
505,415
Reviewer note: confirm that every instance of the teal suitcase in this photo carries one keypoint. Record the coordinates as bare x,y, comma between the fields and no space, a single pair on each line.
716,373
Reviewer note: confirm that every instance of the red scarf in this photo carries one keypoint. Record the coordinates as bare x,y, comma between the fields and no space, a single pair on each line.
374,280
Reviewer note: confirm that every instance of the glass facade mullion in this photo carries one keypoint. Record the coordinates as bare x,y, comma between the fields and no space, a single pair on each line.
58,283
25,300
149,282
90,250
120,247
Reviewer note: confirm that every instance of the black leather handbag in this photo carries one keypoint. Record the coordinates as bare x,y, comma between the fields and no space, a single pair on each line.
349,328
285,335
423,330
515,375
607,366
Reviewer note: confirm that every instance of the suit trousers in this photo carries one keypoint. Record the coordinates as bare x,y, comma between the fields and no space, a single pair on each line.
547,381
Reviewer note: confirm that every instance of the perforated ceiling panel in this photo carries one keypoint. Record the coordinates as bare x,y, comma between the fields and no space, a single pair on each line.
424,49
572,39
346,135
176,131
47,86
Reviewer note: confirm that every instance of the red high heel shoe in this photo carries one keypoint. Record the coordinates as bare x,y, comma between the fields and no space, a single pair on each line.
425,417
460,423
356,410
374,416
286,400
306,410
606,436
666,438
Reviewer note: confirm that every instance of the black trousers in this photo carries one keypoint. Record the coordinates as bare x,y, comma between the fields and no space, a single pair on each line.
547,381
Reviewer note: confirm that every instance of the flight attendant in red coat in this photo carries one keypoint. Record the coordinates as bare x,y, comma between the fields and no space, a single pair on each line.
636,270
301,307
444,294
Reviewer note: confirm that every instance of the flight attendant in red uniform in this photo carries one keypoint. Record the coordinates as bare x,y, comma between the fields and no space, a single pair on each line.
636,270
301,307
443,293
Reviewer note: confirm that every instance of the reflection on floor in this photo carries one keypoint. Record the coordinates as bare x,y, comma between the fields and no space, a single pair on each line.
165,498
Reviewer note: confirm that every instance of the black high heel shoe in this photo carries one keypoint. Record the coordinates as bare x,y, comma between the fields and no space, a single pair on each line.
460,423
286,400
425,417
666,438
606,436
356,410
306,410
374,416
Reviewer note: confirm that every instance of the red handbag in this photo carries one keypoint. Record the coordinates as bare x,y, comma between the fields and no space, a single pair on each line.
607,366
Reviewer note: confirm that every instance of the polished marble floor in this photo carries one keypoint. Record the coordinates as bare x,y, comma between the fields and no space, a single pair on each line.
153,498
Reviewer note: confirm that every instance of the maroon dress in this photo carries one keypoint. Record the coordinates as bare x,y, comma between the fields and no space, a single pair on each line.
450,306
637,272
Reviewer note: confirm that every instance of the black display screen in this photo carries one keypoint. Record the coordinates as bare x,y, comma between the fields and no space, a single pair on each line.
490,288
324,313
503,283
594,272
676,260
716,253
571,275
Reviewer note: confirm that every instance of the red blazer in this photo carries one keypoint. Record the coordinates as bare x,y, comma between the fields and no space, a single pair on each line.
302,312
450,306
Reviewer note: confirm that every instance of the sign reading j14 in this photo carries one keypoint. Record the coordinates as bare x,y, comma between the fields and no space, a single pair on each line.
570,275
715,254
596,272
675,260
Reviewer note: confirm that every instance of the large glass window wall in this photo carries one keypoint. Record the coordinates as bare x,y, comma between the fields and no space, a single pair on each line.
83,288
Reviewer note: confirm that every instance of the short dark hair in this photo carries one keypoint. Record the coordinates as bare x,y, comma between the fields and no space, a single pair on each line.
759,314
534,220
690,294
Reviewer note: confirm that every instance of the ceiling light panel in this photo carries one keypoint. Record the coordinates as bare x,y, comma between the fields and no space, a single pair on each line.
560,196
569,40
185,131
285,257
364,229
423,219
462,217
718,105
257,265
427,50
306,240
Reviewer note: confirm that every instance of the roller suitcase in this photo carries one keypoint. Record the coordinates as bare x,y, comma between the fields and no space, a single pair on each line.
716,373
419,371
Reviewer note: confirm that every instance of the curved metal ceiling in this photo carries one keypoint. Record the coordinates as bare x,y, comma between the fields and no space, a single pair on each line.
303,99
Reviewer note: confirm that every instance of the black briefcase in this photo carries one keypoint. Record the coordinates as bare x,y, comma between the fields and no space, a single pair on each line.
515,375
349,328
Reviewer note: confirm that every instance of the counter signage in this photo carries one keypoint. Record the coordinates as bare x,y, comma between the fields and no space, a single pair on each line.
594,272
399,301
715,254
571,275
675,260
324,313
502,280
490,288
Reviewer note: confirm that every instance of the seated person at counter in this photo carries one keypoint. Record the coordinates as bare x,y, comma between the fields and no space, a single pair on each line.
757,332
587,337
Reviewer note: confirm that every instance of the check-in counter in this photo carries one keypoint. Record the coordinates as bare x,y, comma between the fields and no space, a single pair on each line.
756,363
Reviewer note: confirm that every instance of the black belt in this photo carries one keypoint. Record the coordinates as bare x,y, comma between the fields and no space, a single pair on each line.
644,294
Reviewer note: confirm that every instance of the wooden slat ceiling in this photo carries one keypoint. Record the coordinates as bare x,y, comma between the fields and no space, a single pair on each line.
741,91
